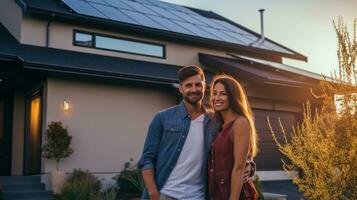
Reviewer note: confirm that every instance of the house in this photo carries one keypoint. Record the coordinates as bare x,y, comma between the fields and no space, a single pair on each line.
114,64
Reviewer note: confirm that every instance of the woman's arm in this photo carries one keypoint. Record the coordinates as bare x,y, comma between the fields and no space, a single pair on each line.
241,134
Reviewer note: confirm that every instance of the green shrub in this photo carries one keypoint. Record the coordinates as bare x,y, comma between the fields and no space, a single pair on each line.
129,182
58,141
81,185
109,194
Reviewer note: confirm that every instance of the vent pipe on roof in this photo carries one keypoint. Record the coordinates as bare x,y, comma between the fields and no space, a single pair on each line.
262,37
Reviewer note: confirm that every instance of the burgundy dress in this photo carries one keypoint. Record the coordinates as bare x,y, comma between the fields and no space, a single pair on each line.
221,164
220,168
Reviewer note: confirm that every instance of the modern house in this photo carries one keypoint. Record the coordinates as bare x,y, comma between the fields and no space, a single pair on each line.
114,64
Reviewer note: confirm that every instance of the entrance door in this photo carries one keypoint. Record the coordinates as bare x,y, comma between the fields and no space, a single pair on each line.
5,134
32,162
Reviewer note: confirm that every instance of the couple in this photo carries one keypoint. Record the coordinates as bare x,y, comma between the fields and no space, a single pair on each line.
193,154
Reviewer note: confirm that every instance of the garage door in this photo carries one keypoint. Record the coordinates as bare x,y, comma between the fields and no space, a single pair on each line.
269,157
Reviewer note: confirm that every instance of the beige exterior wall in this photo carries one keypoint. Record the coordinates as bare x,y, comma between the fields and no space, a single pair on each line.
61,37
108,122
11,17
18,135
33,31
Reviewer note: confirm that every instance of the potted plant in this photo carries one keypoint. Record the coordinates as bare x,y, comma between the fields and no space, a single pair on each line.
57,147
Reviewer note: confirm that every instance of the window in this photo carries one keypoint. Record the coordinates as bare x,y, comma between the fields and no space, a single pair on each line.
83,39
100,41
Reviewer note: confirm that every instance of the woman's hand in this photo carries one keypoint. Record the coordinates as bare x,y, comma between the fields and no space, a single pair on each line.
247,172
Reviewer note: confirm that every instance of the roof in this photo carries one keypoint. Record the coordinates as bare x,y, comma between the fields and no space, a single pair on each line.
284,67
159,19
56,60
257,73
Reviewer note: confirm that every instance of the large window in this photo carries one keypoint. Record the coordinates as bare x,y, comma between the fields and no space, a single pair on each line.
33,135
99,41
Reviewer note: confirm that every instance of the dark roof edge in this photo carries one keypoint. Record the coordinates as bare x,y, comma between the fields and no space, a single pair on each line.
83,72
8,57
210,62
53,68
203,55
133,29
22,4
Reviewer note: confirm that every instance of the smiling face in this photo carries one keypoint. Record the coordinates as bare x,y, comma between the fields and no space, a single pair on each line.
192,89
220,99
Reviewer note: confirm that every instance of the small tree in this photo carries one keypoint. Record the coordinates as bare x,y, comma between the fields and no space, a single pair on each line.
324,146
58,142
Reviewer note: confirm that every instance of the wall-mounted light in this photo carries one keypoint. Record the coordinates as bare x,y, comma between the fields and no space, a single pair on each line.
66,105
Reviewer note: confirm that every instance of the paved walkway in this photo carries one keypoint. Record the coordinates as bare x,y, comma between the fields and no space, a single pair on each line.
282,187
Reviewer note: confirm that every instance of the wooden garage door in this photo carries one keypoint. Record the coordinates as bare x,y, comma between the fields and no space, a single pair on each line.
269,157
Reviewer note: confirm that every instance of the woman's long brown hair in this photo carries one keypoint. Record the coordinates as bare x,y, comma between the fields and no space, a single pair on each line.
239,103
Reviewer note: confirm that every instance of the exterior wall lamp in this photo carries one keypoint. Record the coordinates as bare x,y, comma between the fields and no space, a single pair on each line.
66,105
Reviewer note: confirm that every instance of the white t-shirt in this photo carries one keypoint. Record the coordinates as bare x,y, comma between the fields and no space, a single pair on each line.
186,179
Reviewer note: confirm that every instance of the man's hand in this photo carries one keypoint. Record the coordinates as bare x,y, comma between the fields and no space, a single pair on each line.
155,195
149,180
247,172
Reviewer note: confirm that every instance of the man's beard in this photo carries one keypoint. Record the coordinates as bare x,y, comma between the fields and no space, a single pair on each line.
194,101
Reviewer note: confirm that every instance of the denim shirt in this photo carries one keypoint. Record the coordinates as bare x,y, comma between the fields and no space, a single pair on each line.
166,137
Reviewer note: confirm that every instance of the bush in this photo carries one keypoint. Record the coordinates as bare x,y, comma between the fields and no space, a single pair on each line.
58,143
130,182
324,146
109,194
81,185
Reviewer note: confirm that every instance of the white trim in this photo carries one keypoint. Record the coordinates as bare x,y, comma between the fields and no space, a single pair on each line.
275,175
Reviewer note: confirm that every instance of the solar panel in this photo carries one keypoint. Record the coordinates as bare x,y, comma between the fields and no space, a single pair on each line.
274,47
187,18
113,14
242,40
163,12
119,4
171,25
82,7
98,2
141,8
159,3
198,31
169,17
220,34
233,28
146,2
143,19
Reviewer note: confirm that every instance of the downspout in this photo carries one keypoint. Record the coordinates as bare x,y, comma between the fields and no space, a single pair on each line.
48,30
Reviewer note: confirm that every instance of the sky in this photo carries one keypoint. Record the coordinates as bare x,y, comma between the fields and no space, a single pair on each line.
304,26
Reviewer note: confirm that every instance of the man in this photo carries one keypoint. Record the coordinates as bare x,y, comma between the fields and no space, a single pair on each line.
175,156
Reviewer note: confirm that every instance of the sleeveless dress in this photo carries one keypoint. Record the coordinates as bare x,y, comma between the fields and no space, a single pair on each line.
220,167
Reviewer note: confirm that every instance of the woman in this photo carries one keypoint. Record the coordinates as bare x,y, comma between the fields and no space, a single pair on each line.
236,141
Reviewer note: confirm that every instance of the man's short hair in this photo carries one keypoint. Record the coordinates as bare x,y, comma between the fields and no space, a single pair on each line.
189,71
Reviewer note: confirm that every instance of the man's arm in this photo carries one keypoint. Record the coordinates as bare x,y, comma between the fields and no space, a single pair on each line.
149,180
148,159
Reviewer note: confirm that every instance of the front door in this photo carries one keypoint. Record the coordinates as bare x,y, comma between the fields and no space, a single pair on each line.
5,134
